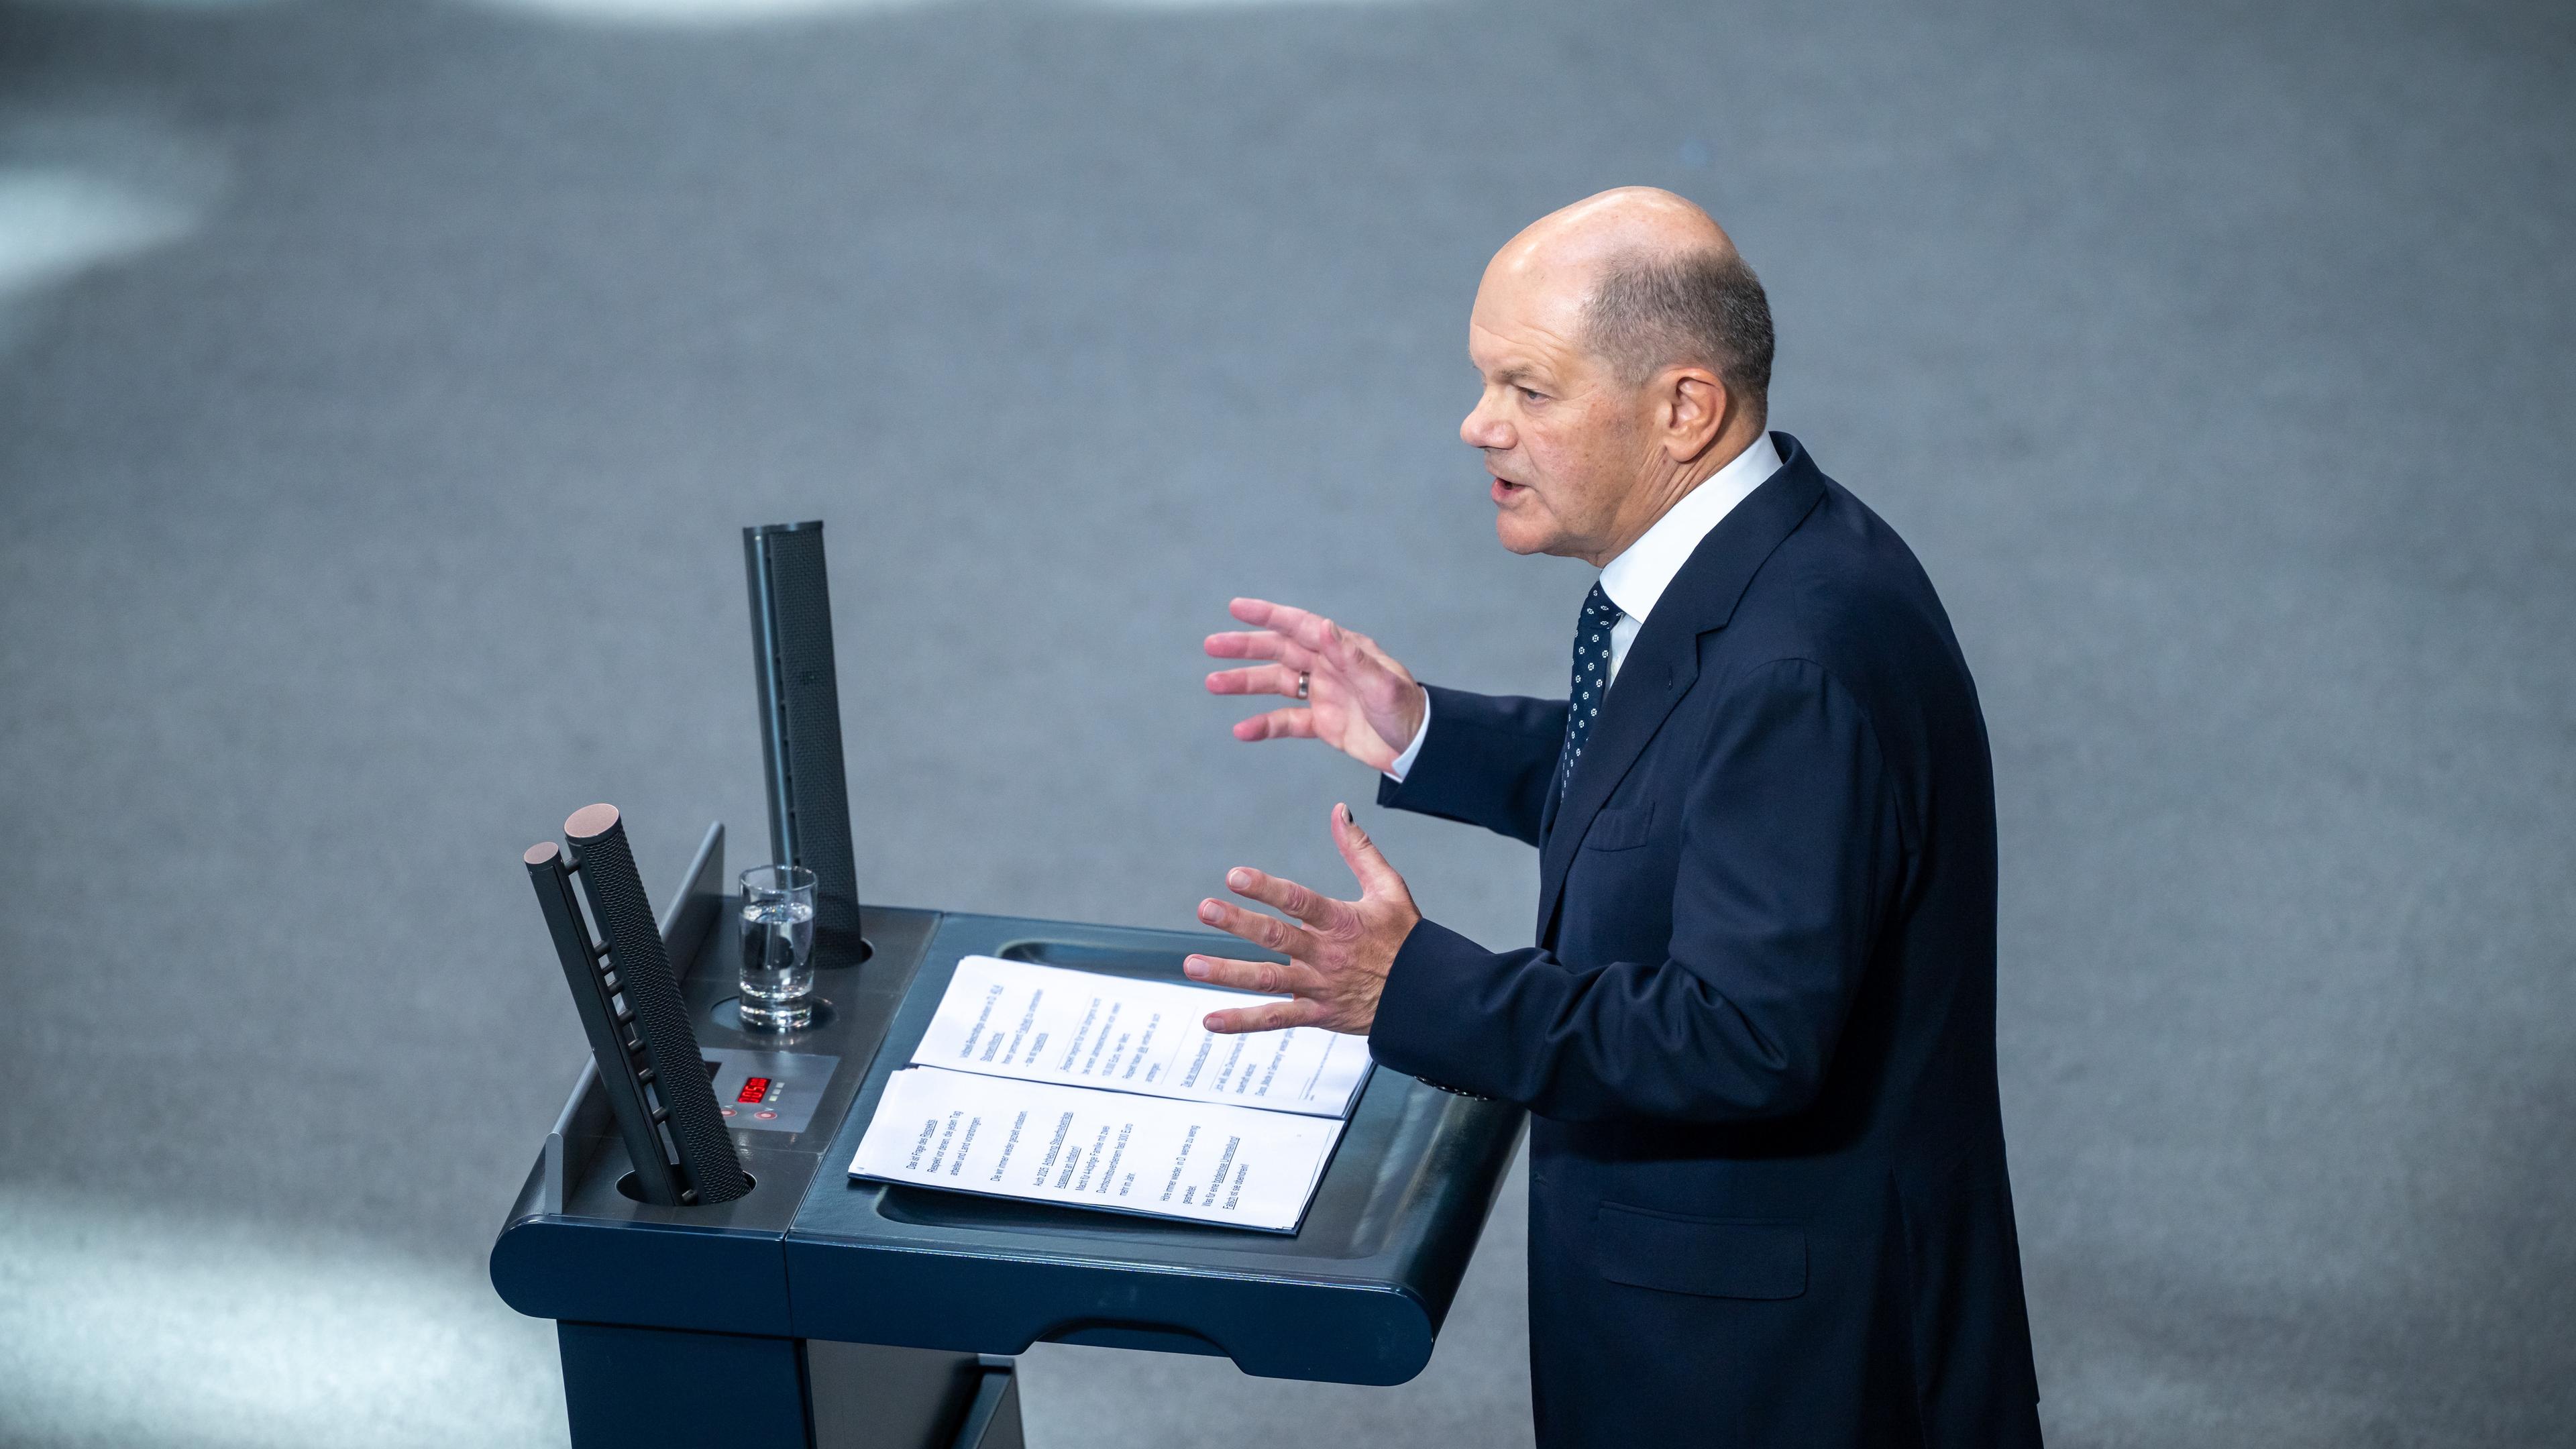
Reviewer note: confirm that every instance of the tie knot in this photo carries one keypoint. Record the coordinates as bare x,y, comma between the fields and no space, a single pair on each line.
1597,605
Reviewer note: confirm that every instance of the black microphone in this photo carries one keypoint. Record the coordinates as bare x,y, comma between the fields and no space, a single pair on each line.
632,1011
800,727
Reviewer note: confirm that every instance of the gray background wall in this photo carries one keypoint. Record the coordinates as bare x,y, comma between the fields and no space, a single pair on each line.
381,386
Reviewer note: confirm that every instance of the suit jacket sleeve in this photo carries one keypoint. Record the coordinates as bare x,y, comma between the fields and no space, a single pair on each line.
1489,760
1790,852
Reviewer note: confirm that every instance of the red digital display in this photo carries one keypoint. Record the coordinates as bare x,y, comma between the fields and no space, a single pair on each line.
753,1090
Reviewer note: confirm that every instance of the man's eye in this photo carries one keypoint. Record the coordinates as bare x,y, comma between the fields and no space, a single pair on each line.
1531,394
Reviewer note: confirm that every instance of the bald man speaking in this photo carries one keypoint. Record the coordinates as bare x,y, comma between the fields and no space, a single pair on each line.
1768,1204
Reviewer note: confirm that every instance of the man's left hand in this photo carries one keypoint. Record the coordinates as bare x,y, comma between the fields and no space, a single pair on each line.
1338,956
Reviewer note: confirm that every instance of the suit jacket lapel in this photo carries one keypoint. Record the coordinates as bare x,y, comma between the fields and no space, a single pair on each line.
1662,664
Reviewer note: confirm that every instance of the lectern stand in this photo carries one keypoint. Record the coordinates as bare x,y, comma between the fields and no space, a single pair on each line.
808,1311
815,1312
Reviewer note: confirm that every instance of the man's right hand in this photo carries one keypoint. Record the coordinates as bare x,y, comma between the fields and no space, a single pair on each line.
1358,700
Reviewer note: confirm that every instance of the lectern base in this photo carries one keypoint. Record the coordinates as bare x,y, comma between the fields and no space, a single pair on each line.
646,1388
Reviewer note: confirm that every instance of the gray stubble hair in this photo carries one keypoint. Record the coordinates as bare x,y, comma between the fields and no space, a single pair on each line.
1649,311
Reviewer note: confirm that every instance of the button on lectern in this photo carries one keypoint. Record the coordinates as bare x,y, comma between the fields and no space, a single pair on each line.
719,1278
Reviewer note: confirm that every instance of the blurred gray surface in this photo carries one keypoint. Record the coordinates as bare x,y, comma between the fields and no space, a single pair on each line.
382,385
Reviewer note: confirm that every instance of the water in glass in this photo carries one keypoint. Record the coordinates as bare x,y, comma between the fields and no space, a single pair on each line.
777,963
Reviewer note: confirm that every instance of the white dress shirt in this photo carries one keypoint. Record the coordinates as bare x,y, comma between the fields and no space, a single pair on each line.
1637,578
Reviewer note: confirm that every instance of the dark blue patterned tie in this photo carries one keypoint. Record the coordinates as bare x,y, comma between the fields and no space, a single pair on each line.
1591,677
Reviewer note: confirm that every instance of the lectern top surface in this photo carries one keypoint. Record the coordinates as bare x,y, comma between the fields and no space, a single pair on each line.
1355,1294
1383,1194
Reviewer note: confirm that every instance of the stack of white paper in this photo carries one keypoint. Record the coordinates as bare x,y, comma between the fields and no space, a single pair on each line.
1049,1085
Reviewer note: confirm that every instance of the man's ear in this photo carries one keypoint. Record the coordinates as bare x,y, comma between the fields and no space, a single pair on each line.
1695,411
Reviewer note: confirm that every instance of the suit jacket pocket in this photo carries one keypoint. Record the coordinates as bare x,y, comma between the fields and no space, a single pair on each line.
1621,829
1709,1257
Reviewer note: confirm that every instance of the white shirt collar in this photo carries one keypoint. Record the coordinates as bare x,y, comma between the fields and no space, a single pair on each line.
1637,578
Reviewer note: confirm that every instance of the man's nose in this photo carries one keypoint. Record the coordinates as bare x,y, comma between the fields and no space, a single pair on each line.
1481,428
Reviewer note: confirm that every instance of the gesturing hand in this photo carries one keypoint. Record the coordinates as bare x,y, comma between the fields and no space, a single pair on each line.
1337,960
1358,700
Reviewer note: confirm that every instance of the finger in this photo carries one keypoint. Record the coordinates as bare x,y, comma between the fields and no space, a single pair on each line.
1327,640
1272,1016
1312,907
1376,877
1354,658
1279,724
1265,978
1323,641
1265,614
1268,932
1259,679
1264,645
1314,631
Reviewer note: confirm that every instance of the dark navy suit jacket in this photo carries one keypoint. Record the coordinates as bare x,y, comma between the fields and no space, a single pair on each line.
1768,1203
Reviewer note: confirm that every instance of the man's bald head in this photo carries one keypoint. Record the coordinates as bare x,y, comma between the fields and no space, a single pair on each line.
1625,351
1661,285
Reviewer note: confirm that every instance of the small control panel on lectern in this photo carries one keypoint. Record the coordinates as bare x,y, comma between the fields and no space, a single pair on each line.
765,1091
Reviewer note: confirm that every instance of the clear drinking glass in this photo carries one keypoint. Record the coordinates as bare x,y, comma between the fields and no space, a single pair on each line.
777,947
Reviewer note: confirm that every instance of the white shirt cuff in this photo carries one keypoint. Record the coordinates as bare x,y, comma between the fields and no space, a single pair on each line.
1404,762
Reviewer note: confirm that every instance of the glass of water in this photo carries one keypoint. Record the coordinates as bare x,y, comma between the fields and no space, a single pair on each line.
777,947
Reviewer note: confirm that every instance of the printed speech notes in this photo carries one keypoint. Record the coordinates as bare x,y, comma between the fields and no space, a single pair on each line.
1088,1148
1073,1087
1083,1029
